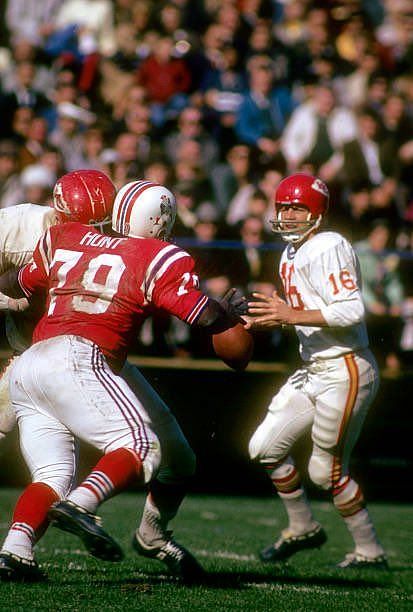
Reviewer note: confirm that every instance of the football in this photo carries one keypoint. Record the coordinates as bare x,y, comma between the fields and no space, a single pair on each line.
234,346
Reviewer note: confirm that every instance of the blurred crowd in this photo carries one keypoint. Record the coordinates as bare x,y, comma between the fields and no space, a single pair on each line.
218,100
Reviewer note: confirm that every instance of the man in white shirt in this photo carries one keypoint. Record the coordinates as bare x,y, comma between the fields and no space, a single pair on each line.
331,393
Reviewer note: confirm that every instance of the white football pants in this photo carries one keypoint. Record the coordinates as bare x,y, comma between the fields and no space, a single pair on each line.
330,398
63,389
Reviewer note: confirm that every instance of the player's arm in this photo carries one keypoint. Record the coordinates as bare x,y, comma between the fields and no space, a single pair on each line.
333,276
18,285
175,289
267,312
11,295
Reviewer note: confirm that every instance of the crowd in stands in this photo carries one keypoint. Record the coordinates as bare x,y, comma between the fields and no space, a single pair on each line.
219,99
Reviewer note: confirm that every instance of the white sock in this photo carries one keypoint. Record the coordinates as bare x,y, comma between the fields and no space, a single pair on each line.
18,543
364,535
153,525
84,498
300,517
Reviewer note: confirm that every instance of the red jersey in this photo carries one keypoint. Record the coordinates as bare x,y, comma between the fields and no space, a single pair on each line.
102,287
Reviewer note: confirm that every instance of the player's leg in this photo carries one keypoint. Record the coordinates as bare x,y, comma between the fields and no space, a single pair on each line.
97,406
153,538
346,392
51,456
290,416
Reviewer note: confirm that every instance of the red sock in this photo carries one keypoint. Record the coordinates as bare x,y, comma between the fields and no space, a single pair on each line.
33,505
113,473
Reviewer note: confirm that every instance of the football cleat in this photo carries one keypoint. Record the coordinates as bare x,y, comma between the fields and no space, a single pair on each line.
67,516
358,561
178,560
288,544
18,569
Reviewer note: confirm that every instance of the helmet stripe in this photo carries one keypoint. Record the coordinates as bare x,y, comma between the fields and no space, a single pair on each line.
128,201
129,192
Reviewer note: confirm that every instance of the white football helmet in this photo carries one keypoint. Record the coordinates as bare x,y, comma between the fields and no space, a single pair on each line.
143,209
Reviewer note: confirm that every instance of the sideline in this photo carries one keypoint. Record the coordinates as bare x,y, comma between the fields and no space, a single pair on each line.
216,365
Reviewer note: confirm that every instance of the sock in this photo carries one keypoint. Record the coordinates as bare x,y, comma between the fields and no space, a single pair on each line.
161,506
29,519
349,501
287,482
364,534
112,474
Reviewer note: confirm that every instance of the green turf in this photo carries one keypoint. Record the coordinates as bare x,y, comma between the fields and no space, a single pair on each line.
225,534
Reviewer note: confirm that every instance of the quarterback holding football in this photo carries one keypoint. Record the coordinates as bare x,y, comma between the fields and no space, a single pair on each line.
332,391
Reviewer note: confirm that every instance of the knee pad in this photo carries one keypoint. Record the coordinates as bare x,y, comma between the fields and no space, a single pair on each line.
57,479
152,461
262,448
319,472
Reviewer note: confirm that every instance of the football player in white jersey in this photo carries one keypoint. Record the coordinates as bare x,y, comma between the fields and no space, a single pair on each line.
330,394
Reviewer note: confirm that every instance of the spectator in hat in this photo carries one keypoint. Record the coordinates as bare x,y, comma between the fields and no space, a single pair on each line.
69,133
37,182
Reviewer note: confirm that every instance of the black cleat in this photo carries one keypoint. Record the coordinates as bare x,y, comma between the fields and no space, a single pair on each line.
18,569
288,544
178,560
357,561
67,516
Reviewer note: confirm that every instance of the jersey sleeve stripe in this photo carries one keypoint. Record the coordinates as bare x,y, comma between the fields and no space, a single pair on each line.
158,262
26,292
161,269
198,308
45,249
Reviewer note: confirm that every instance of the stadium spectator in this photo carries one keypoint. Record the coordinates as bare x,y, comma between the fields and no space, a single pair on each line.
316,133
166,79
37,182
190,128
383,294
264,111
11,191
231,183
23,95
370,158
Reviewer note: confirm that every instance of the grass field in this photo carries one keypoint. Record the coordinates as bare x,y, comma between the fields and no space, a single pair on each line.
225,534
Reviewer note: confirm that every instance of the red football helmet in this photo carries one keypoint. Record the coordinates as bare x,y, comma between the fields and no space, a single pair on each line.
86,196
303,190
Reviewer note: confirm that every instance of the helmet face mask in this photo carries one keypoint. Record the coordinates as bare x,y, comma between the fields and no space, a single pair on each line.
302,191
143,209
85,196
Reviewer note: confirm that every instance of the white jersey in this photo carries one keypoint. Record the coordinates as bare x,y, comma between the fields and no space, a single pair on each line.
20,229
324,274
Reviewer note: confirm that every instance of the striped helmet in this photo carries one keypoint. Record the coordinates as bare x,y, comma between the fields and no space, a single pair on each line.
144,209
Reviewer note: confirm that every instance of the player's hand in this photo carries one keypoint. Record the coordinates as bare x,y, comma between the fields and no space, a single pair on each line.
15,305
234,303
267,312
